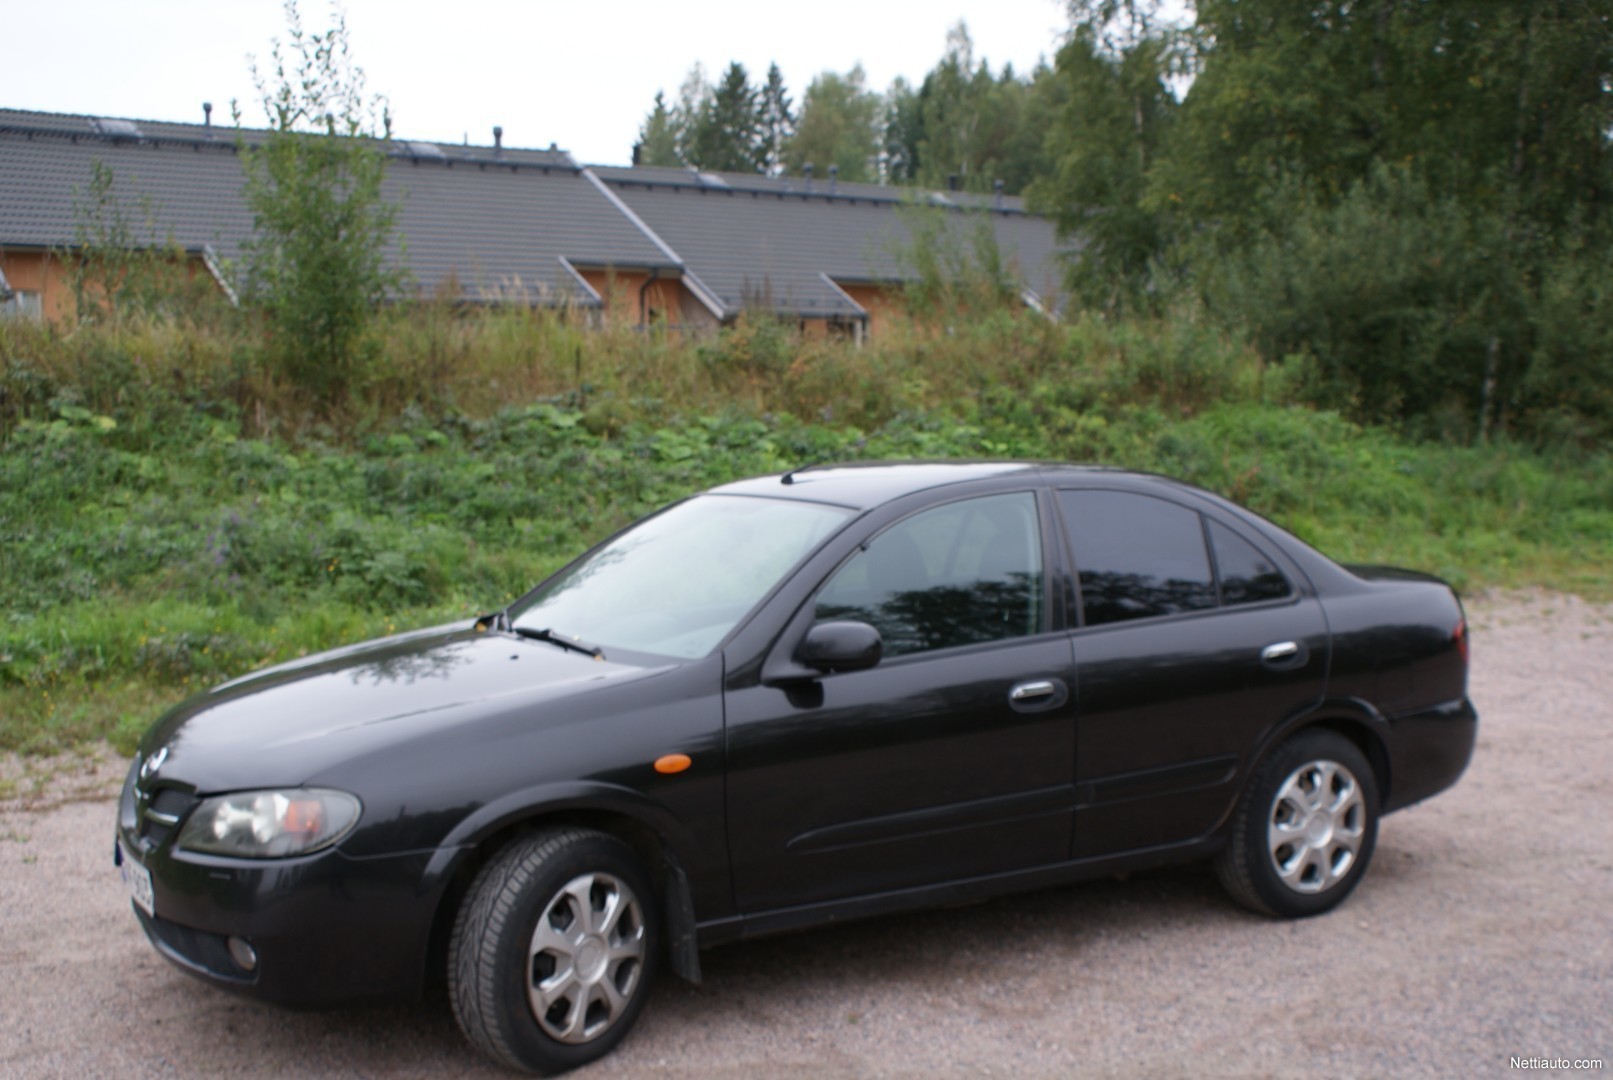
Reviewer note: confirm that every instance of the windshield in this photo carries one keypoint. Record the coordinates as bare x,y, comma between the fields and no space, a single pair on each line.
678,582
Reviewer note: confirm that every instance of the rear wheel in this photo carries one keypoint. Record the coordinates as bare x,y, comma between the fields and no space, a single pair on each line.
553,951
1305,830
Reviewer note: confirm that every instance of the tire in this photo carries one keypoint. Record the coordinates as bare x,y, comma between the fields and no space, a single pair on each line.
1305,829
554,950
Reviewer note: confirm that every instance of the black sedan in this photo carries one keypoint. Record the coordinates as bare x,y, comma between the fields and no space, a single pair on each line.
835,693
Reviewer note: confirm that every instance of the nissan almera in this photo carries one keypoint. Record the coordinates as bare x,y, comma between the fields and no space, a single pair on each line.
835,693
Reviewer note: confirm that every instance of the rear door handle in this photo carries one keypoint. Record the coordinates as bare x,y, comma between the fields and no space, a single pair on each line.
1031,691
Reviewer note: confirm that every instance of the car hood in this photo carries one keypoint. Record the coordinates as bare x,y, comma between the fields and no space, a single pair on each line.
285,724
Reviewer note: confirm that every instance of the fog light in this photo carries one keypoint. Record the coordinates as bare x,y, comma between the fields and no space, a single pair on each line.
244,955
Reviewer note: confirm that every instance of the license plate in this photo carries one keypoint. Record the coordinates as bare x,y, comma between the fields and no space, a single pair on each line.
138,879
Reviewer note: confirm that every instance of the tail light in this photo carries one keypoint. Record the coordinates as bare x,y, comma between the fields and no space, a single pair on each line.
1459,636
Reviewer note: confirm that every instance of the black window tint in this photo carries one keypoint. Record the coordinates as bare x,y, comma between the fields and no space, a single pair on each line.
962,573
1246,575
1138,556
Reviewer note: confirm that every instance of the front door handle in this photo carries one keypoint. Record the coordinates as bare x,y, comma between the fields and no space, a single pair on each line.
1031,691
1280,654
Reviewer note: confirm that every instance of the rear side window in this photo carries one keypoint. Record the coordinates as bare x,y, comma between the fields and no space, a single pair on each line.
1139,557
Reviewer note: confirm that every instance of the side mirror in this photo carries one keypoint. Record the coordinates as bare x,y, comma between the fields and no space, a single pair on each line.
841,646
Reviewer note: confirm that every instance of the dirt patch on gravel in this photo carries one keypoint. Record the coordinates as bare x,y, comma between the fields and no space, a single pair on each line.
1483,931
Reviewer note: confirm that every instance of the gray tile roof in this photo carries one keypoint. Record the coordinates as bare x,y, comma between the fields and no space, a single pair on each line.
503,230
500,222
186,192
775,243
510,223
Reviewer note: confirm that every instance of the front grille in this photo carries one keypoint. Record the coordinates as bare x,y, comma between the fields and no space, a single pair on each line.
159,813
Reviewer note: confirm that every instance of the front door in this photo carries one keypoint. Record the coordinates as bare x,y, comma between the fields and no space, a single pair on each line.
952,758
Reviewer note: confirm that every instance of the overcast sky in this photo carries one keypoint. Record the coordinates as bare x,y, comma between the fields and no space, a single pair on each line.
579,74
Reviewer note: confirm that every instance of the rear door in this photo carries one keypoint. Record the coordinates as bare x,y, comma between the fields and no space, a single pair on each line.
1194,640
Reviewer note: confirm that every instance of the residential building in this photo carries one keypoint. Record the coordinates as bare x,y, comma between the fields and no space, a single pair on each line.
494,224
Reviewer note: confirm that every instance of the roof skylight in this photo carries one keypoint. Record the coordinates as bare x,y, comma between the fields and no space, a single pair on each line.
117,129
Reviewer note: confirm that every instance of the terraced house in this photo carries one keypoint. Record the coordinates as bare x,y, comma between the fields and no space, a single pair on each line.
491,224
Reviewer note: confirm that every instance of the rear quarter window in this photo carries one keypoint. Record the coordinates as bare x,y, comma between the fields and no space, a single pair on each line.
1246,575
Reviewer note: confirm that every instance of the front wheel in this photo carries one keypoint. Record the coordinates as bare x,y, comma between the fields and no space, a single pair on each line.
553,950
1305,829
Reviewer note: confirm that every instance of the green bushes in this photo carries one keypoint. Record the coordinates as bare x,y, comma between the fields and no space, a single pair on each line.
167,521
1400,302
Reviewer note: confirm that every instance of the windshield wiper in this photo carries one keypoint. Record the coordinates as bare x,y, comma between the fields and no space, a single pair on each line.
561,640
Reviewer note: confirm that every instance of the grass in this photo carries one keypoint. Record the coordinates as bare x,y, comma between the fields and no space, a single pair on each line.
170,517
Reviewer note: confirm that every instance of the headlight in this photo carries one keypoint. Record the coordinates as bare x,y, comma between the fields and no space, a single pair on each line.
270,824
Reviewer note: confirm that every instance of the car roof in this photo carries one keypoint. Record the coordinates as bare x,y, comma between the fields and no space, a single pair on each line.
867,484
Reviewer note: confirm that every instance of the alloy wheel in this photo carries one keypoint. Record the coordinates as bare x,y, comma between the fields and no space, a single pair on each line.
1316,827
586,957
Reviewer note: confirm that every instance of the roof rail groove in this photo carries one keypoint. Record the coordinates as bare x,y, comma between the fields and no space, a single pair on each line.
833,284
627,212
594,299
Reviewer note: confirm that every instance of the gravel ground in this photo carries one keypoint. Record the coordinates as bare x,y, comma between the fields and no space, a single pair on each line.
1483,931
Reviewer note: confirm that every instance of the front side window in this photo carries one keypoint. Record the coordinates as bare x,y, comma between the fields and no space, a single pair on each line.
676,583
959,574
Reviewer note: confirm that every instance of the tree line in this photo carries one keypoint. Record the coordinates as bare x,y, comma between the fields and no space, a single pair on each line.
963,125
1409,202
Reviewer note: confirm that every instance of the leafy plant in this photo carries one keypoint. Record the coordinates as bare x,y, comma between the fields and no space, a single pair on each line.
317,259
952,267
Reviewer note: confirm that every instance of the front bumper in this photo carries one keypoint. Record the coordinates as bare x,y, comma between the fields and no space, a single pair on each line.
326,928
